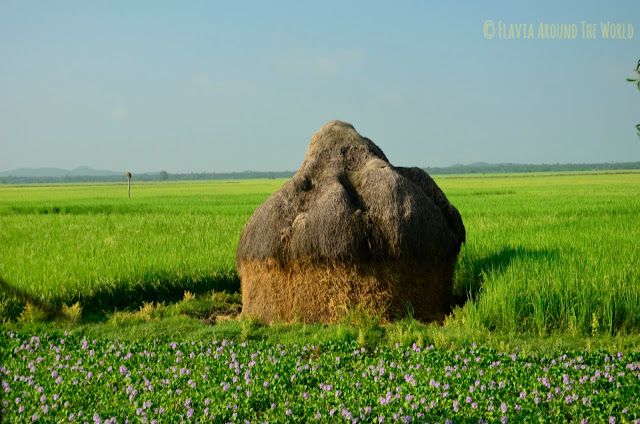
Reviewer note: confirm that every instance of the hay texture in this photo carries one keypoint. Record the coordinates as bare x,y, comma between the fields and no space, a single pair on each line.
350,232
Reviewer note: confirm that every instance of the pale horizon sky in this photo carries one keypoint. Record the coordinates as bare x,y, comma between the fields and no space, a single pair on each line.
234,86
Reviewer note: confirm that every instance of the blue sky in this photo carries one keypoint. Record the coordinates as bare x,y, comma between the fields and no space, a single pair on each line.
232,86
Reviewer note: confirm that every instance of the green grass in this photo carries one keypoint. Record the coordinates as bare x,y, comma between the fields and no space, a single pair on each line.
546,254
551,253
89,243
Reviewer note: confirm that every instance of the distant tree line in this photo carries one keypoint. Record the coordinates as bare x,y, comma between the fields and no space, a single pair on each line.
196,176
155,176
518,168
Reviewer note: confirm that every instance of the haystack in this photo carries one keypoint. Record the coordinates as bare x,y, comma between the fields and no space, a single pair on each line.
350,232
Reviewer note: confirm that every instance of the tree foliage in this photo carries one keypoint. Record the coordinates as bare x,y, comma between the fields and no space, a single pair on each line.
636,81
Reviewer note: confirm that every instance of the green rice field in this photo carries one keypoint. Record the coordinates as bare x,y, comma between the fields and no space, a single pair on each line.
545,253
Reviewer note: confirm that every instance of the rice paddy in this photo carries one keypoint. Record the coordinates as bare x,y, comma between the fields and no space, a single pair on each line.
544,253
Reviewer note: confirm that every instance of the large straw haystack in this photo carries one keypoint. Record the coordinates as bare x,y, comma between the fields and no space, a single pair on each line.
348,232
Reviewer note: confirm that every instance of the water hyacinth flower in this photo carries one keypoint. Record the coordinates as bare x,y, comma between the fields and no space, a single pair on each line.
422,403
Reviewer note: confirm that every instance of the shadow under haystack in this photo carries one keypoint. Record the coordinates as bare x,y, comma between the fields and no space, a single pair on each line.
350,232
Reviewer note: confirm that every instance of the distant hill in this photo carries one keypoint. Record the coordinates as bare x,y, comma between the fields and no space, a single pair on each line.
81,171
86,174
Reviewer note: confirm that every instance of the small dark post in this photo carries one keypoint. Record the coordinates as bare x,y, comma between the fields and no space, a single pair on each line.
129,175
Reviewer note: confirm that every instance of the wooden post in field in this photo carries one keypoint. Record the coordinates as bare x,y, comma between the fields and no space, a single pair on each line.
129,175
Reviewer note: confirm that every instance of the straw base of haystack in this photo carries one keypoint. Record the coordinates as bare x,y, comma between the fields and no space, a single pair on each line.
312,292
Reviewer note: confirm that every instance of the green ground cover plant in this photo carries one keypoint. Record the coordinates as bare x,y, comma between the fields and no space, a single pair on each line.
68,379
